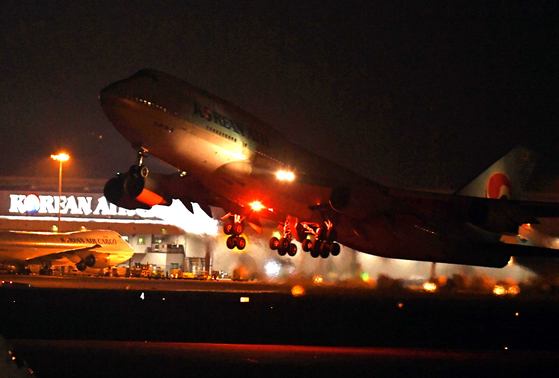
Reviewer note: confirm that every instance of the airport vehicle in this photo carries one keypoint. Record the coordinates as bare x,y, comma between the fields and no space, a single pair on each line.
202,275
158,273
146,271
227,158
86,249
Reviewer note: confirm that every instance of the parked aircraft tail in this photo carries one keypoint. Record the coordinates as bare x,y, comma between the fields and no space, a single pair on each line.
506,178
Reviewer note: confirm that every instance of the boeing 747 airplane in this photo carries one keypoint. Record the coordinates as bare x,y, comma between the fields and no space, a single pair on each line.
93,249
227,158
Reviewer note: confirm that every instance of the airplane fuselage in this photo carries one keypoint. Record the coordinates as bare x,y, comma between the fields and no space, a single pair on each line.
23,248
240,158
231,151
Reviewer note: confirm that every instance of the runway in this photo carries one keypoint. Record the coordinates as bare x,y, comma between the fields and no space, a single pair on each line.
149,359
124,283
75,326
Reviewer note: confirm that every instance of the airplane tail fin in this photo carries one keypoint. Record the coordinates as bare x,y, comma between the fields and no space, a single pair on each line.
506,178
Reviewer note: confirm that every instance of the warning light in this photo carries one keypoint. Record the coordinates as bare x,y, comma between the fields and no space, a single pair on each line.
297,291
499,290
514,290
245,299
429,287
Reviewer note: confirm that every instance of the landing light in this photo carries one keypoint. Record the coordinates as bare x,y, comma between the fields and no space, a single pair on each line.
256,205
285,176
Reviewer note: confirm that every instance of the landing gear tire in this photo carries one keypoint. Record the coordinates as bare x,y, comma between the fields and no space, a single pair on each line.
332,235
292,250
231,242
281,251
322,233
315,250
144,171
274,243
284,244
228,228
240,243
335,249
307,245
325,250
237,229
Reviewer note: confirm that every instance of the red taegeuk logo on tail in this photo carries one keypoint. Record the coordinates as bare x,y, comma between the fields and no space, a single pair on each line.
499,186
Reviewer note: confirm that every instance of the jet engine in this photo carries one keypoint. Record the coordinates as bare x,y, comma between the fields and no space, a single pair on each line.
137,189
87,262
357,201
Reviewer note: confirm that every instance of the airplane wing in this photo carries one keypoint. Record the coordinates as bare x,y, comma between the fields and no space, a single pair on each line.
540,209
502,214
132,190
73,255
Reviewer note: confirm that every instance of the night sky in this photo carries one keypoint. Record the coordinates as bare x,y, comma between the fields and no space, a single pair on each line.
406,93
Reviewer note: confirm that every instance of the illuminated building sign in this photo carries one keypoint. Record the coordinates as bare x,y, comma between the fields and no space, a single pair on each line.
73,205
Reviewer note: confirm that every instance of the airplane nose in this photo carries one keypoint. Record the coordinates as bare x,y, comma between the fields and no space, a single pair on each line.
114,91
110,91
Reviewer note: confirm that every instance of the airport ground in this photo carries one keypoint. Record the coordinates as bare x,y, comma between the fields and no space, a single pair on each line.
86,326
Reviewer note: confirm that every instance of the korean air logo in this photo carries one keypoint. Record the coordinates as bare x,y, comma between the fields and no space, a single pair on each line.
499,186
31,203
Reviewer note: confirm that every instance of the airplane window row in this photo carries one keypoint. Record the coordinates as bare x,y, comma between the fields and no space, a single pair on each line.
221,134
268,157
151,104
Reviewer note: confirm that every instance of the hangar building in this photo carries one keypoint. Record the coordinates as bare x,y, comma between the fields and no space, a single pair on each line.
157,236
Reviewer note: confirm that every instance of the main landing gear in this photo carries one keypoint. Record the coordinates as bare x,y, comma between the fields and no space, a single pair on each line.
45,270
234,227
323,244
284,245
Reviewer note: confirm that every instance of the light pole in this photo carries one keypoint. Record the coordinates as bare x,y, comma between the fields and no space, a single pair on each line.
61,157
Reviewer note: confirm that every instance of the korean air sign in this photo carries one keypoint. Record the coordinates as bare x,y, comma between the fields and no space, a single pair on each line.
74,205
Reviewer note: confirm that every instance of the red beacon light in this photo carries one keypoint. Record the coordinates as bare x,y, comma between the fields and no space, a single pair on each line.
256,205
